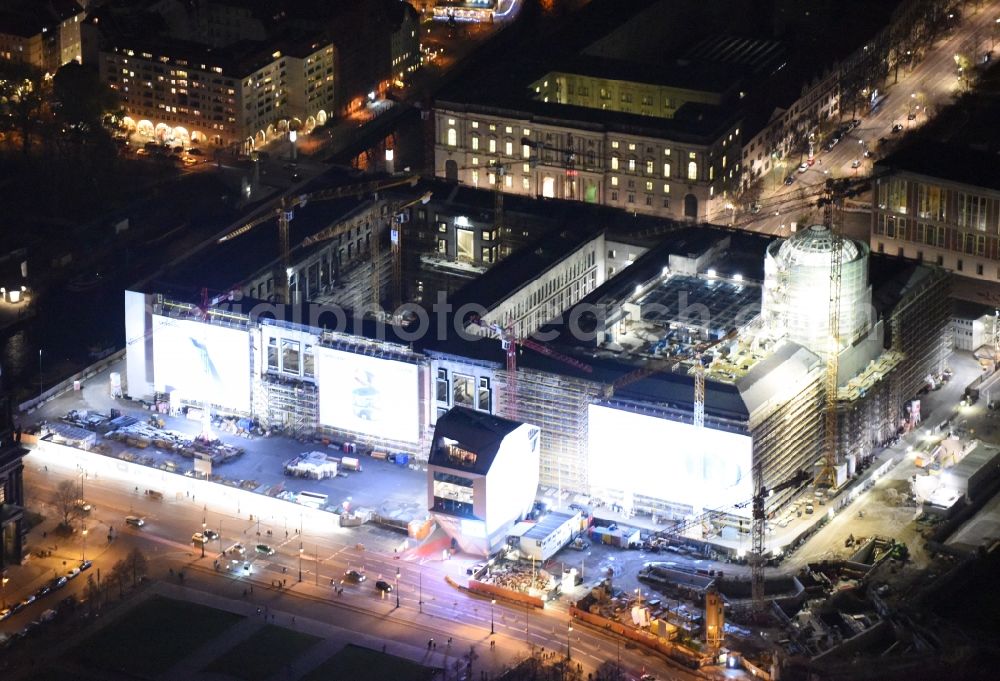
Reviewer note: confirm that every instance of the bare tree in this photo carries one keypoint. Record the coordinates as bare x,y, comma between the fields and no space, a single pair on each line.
65,501
137,564
120,574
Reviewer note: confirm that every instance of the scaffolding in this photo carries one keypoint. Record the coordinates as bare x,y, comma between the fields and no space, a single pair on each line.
558,405
290,403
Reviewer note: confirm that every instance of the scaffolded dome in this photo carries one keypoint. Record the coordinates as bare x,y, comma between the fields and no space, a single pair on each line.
796,300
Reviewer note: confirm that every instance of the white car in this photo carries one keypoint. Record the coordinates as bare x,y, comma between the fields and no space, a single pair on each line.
803,167
199,538
856,163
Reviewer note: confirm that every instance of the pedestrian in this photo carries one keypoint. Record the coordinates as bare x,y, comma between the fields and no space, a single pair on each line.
430,642
435,646
449,640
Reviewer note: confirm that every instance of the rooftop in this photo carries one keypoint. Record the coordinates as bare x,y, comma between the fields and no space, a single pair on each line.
475,431
946,161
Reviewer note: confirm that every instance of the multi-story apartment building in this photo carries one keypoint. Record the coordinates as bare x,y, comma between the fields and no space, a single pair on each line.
12,528
191,94
241,72
940,204
45,35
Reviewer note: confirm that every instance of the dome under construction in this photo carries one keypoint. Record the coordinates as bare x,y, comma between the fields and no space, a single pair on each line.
797,288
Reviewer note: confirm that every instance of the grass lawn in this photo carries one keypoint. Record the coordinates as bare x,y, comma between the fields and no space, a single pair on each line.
152,637
354,662
265,653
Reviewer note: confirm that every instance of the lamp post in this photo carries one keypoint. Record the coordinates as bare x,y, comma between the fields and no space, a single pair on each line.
3,587
492,621
569,630
300,561
397,587
39,373
83,551
204,539
420,582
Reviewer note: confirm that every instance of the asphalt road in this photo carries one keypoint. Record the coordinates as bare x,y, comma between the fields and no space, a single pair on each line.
926,88
428,606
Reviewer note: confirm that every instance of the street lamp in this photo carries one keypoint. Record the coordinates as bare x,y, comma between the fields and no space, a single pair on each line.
492,621
300,561
83,552
204,539
397,587
569,630
3,588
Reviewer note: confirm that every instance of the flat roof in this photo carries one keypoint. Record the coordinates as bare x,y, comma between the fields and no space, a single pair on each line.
946,161
548,523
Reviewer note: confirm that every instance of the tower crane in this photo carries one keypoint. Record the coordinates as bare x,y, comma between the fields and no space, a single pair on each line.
285,212
509,342
834,192
758,518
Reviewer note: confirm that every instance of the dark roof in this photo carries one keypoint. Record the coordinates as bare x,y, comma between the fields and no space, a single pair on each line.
953,162
29,18
476,431
892,279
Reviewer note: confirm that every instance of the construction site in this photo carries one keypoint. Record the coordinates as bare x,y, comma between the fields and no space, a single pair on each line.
684,374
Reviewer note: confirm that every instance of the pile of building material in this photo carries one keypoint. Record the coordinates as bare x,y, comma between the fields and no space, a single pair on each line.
312,465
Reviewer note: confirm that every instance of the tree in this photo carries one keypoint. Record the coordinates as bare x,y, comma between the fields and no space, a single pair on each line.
65,501
120,575
137,564
22,100
93,595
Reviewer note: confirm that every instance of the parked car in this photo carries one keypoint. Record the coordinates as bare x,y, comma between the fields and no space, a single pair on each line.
856,163
211,535
237,549
83,505
803,167
355,576
265,549
383,586
199,538
789,180
5,613
897,127
85,565
134,521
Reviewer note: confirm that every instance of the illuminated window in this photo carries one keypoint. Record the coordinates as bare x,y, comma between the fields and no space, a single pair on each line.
508,148
493,145
526,168
614,144
272,354
614,163
475,125
484,398
631,146
290,356
462,391
452,137
692,170
525,184
475,142
614,181
508,181
649,167
649,186
711,173
631,163
475,177
525,151
525,132
441,387
666,152
451,121
508,130
666,170
666,188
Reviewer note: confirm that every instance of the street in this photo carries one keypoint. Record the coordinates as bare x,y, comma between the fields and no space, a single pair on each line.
427,605
921,90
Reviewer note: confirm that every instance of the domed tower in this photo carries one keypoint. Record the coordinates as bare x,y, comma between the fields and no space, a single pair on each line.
796,302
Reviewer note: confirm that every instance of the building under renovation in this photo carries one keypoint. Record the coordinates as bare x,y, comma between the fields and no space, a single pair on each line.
671,374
